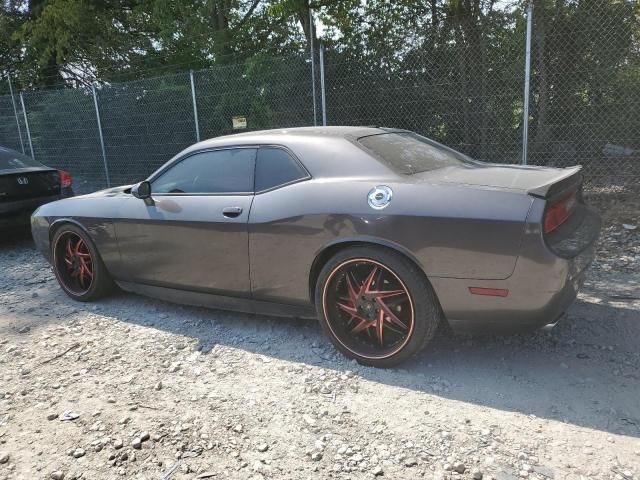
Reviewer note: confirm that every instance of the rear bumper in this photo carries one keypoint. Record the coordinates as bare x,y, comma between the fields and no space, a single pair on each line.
18,213
541,288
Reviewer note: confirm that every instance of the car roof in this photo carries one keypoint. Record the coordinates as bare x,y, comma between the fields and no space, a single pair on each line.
324,151
258,136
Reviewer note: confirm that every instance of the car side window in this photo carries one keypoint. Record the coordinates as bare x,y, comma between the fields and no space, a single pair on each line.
275,167
217,171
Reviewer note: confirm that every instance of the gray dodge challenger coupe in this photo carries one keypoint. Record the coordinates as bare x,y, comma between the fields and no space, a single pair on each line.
380,233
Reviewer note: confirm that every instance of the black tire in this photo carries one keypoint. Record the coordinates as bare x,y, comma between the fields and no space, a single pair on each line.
395,272
94,285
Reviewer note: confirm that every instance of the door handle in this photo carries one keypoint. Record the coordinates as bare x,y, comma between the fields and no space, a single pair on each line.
231,212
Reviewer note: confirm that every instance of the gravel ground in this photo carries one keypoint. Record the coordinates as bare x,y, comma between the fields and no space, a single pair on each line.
140,389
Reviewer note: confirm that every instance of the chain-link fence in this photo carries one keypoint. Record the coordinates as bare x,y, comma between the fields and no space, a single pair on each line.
462,83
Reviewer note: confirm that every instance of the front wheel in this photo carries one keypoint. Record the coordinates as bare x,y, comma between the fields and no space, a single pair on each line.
78,266
376,306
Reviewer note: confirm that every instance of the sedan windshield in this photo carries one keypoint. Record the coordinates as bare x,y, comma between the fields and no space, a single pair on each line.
408,153
11,160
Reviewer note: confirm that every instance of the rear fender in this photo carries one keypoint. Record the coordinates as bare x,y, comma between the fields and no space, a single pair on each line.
331,248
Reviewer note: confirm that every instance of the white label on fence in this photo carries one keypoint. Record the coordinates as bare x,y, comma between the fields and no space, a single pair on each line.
239,122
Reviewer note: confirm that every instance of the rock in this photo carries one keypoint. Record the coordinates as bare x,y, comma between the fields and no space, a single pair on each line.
158,386
118,444
459,467
238,428
52,416
57,475
544,471
309,420
25,371
137,443
263,447
377,471
410,462
316,456
476,474
78,453
144,436
4,458
24,329
68,416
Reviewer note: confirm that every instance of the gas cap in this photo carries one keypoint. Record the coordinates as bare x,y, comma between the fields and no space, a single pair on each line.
379,197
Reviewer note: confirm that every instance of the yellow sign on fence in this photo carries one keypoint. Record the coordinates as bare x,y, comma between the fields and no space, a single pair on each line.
239,122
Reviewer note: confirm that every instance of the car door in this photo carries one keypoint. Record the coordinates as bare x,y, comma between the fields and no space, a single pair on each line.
277,233
192,234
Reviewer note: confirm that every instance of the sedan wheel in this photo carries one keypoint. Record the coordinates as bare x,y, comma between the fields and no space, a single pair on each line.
77,265
377,307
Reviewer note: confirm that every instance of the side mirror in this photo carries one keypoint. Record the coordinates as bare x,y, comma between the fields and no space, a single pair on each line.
141,190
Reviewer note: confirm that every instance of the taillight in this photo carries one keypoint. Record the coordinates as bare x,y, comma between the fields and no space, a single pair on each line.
559,212
65,179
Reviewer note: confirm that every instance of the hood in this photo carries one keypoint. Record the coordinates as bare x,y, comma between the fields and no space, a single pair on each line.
536,181
108,192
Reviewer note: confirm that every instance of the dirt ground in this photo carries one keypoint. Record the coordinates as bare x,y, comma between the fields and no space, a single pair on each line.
135,388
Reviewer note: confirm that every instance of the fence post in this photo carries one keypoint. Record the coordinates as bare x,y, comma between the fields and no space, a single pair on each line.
195,105
26,124
313,67
322,92
15,112
527,76
104,151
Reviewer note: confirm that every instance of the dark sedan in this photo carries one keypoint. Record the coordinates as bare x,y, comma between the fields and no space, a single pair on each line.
25,185
380,233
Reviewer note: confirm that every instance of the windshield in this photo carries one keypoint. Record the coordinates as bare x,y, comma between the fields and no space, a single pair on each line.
409,153
11,160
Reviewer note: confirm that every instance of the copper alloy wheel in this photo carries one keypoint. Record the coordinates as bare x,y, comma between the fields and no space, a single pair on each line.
73,262
368,308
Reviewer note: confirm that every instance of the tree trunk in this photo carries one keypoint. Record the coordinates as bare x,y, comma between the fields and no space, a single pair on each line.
303,13
221,36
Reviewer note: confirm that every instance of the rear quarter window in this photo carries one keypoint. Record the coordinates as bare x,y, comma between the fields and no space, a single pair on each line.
408,153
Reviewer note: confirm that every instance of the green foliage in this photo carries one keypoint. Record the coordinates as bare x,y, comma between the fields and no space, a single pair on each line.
452,69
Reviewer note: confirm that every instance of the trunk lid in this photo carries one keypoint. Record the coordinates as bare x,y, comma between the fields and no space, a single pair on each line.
543,182
32,182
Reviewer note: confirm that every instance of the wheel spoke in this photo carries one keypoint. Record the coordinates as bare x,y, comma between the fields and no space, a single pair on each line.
392,316
387,294
380,327
86,268
348,308
364,323
364,289
389,326
353,293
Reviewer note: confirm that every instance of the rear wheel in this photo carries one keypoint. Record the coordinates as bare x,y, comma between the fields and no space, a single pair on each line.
376,306
78,266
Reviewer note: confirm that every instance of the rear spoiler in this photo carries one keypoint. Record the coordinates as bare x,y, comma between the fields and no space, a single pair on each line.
568,178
